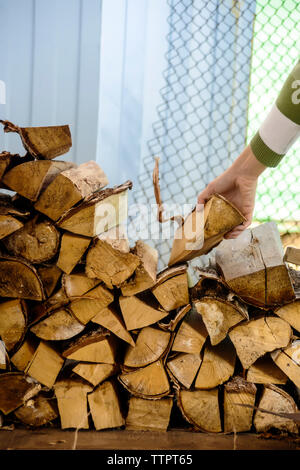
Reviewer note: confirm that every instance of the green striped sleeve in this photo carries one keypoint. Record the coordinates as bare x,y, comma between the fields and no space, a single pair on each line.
289,97
281,127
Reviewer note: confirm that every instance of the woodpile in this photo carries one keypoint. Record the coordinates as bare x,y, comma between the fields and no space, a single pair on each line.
92,337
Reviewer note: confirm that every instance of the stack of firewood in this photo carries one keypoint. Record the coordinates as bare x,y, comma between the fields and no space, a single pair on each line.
91,335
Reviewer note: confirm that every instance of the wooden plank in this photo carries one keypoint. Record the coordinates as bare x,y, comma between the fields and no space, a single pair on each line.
56,439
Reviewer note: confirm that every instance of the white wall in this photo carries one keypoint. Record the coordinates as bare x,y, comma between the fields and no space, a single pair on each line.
133,47
94,64
50,62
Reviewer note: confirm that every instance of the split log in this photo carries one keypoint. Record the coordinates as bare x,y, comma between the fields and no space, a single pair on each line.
85,309
191,334
295,275
72,249
145,273
276,400
78,284
292,255
217,365
43,142
91,303
138,314
18,279
3,359
259,336
171,325
110,260
69,187
290,313
209,284
45,365
5,161
241,263
149,382
49,275
58,299
151,344
13,321
37,411
9,225
10,215
183,368
253,267
288,360
264,371
219,315
201,231
95,373
60,325
148,415
41,310
30,179
24,354
14,205
238,418
16,389
201,409
171,288
110,319
98,213
36,242
105,406
279,286
71,397
95,346
3,356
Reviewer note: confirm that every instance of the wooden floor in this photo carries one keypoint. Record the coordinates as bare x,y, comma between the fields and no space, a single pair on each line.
135,440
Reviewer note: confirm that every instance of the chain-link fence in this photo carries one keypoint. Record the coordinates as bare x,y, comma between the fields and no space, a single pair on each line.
226,63
275,52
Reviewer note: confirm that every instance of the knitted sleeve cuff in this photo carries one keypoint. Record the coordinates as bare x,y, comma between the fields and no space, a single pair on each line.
263,153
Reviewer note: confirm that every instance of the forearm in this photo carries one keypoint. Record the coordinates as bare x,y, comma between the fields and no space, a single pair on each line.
247,164
281,127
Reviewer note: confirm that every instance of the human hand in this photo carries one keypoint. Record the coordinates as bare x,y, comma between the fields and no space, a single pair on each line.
237,184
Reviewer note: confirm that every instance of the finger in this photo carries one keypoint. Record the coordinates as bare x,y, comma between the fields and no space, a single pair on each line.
204,195
234,233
